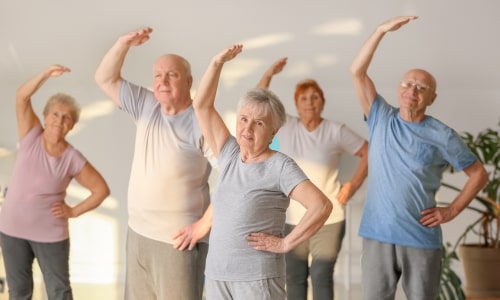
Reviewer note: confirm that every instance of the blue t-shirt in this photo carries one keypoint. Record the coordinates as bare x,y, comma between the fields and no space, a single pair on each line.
406,163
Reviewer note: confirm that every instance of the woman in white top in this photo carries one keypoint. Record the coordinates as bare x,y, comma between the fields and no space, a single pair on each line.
317,144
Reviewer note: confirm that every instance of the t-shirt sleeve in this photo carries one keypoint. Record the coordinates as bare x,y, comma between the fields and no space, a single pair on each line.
78,161
291,176
351,142
459,155
133,98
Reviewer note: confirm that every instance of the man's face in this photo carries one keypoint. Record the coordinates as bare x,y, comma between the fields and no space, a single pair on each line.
417,90
171,80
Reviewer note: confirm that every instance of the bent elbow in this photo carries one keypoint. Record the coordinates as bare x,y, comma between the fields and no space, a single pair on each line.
327,208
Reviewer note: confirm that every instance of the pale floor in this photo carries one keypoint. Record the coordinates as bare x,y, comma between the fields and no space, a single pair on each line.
115,292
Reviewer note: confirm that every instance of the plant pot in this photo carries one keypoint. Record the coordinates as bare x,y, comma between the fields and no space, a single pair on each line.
482,270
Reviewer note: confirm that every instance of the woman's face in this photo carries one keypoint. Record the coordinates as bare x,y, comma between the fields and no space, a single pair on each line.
254,129
309,104
59,119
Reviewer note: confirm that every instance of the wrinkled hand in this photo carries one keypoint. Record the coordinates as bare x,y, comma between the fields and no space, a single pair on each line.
345,193
432,217
61,210
138,37
266,242
277,67
228,54
57,70
188,236
395,23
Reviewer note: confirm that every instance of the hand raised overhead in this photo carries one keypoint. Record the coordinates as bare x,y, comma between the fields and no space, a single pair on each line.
137,37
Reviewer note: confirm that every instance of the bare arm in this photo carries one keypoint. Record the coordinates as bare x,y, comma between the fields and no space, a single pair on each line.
363,84
188,236
477,179
212,126
26,117
108,74
275,68
91,179
349,188
318,208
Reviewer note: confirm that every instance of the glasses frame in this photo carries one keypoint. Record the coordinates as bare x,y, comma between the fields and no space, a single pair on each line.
421,88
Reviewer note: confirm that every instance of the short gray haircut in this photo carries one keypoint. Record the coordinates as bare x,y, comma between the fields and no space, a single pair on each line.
267,101
65,99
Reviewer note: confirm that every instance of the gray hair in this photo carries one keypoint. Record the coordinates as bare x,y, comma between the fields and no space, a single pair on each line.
267,101
65,99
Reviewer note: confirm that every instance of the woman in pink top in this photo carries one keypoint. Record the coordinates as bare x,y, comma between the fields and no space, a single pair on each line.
34,216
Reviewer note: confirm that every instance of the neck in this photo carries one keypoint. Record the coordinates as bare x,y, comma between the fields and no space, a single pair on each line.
412,116
175,108
53,145
311,123
255,157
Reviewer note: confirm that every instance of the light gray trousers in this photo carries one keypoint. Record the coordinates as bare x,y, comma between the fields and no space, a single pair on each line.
383,265
156,270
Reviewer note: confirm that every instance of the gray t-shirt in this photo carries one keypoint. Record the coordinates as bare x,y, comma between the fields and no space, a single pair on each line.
249,197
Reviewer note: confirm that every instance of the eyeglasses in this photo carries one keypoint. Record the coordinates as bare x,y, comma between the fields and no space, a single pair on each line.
420,87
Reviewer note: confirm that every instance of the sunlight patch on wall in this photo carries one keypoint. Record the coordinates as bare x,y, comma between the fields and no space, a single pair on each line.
94,240
238,69
266,40
299,69
97,109
78,192
90,112
324,60
230,120
339,27
94,248
4,152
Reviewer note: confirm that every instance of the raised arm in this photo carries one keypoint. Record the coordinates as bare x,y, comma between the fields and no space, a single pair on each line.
91,179
212,126
108,74
363,84
275,68
26,117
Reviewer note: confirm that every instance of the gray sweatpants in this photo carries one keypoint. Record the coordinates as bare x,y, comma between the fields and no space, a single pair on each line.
53,259
266,289
384,264
156,270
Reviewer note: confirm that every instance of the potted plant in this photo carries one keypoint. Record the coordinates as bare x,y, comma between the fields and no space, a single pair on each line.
450,286
481,257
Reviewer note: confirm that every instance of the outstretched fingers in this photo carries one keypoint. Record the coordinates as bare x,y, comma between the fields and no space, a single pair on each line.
57,70
138,37
278,66
229,53
396,23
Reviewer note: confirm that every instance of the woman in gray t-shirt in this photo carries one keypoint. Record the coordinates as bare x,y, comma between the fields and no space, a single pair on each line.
247,215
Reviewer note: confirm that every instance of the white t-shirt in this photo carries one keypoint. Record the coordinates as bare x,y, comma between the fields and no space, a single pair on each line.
318,153
168,187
